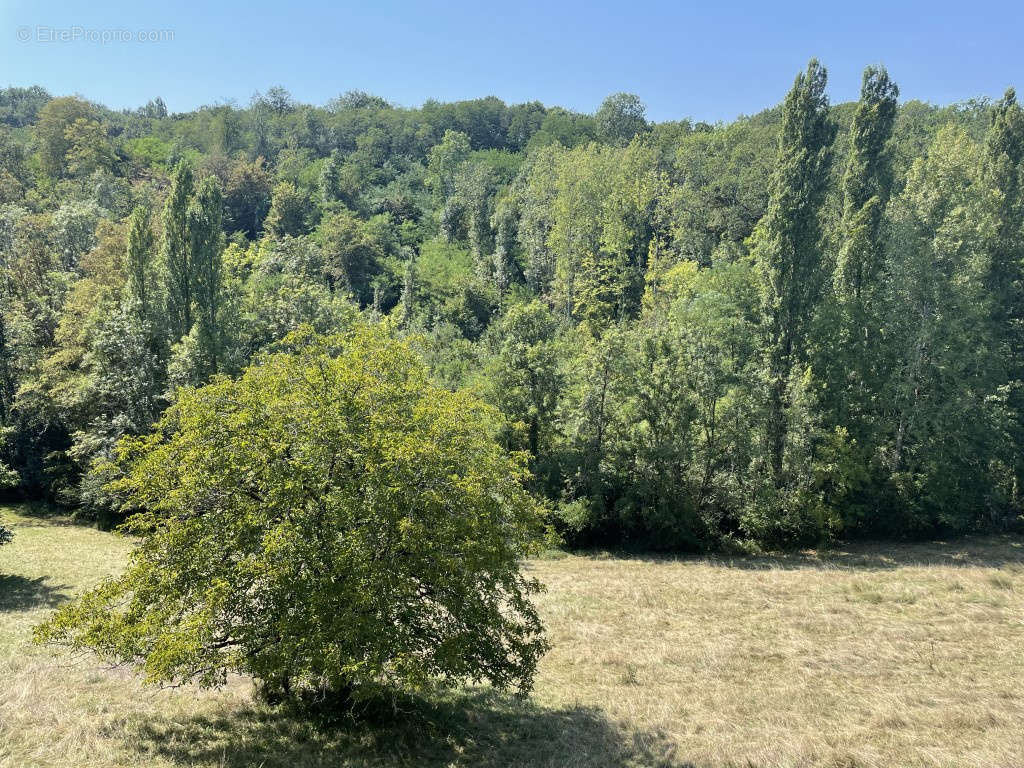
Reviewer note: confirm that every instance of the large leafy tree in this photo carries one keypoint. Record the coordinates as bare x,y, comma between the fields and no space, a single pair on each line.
944,421
621,117
329,521
52,131
1003,173
247,195
525,376
290,211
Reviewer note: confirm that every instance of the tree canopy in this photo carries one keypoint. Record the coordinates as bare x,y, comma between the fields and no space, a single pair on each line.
328,521
800,325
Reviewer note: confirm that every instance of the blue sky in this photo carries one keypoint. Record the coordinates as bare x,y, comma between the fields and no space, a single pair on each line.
706,60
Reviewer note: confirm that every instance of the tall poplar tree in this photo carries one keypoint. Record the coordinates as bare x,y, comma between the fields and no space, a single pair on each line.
140,256
852,347
207,245
176,252
787,243
866,185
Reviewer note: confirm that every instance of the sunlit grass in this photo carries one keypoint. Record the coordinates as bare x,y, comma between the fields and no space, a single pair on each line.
880,656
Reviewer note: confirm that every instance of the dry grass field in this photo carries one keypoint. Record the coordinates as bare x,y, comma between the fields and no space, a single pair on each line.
877,656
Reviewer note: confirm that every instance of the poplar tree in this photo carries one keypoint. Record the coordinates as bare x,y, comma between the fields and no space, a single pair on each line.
176,252
207,245
853,365
866,185
787,243
140,255
408,298
504,242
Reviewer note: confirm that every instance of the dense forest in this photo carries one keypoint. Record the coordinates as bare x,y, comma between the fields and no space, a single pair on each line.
801,325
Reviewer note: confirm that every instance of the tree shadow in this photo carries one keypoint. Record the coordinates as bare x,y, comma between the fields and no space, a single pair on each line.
997,551
18,593
479,729
42,513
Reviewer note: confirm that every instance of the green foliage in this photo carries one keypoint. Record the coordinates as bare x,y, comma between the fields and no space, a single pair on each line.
139,262
176,254
205,227
149,152
787,246
56,135
444,163
329,521
290,211
1003,175
699,334
525,376
621,117
353,251
247,195
866,185
88,149
944,423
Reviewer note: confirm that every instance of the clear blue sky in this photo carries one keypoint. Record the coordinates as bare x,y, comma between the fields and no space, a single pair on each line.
708,60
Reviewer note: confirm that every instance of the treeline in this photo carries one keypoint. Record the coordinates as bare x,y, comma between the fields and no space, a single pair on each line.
800,325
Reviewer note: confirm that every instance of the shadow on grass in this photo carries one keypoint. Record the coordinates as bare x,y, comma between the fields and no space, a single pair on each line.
37,513
20,594
483,730
974,552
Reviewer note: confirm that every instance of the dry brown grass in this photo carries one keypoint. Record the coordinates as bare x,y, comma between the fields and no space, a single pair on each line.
881,656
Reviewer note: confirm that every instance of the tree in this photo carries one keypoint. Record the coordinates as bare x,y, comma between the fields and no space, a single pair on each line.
505,225
247,195
944,432
13,170
329,522
350,253
51,131
786,243
866,185
1003,174
330,179
525,375
122,394
177,257
536,191
207,244
476,189
408,298
289,211
88,149
849,343
139,259
444,162
621,117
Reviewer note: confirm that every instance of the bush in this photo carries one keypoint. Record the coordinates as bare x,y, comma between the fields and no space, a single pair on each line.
329,522
5,535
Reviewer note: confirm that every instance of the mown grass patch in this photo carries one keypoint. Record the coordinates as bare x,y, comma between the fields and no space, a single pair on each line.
872,656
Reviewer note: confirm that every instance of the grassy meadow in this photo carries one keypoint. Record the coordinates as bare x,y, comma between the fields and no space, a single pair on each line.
873,656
